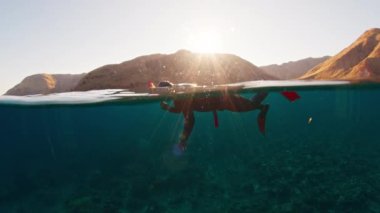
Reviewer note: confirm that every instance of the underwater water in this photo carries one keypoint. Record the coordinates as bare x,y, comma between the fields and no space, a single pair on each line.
321,153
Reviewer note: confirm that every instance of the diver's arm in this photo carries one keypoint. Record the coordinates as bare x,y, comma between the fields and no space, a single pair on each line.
187,129
167,107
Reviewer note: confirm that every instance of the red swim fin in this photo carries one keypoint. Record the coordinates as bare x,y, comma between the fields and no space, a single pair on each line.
216,121
261,118
290,95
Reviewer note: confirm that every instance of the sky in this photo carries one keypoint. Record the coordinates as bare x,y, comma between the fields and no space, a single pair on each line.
77,36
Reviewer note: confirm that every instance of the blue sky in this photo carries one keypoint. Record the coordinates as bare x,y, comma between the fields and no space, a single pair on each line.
51,36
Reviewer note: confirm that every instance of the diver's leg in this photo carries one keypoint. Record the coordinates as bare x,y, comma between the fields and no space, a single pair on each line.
259,97
261,118
189,121
237,103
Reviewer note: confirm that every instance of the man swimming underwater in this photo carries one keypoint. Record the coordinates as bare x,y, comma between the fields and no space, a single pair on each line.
231,102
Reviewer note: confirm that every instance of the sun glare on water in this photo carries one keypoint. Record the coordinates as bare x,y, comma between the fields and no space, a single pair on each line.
205,42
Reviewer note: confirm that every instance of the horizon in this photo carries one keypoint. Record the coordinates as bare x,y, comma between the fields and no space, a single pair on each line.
76,37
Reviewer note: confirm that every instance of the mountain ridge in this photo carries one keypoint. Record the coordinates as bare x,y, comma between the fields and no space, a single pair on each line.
360,61
181,66
44,83
293,69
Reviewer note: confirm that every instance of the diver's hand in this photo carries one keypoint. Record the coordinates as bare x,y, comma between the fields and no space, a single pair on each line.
179,148
182,145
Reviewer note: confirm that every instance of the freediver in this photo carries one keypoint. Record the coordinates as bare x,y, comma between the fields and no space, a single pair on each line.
231,102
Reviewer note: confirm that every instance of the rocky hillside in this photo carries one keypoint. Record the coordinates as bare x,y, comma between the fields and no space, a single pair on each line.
359,61
45,84
293,69
182,66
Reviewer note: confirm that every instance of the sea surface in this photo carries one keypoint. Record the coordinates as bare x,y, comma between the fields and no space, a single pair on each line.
111,151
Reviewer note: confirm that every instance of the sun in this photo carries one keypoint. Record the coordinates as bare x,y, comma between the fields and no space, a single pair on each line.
205,42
